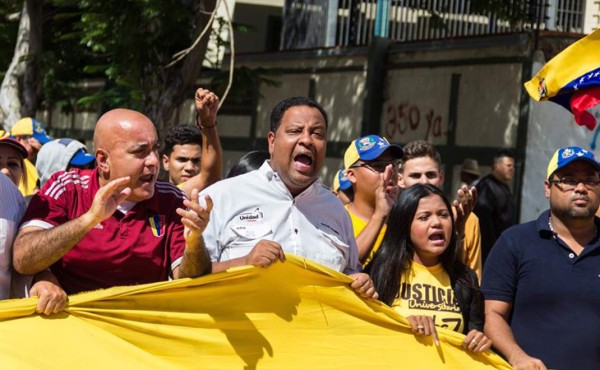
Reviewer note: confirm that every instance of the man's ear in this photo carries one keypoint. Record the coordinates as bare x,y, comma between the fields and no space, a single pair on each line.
351,175
165,161
102,160
547,186
442,177
401,183
271,141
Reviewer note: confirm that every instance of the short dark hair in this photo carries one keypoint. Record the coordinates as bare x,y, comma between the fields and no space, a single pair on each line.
504,153
181,135
419,149
279,110
249,162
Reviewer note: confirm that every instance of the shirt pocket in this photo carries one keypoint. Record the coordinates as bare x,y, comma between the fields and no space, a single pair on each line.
243,237
332,251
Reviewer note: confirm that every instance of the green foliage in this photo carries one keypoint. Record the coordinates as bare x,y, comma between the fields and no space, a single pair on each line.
8,32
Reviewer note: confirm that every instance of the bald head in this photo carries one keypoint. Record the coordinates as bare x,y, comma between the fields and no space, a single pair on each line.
114,125
127,145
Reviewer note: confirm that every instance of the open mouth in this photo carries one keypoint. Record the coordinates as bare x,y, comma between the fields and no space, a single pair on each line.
303,162
146,178
437,238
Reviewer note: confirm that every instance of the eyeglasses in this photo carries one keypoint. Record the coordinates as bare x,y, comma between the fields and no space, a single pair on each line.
378,166
570,183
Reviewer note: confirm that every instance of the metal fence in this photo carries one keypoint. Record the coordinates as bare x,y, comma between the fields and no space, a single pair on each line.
318,23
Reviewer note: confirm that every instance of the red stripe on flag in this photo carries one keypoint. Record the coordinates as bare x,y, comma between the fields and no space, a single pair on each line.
583,100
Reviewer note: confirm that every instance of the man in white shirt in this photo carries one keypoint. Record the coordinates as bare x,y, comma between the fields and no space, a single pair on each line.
283,206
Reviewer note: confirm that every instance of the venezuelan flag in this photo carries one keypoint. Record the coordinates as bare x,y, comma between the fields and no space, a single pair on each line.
157,223
572,79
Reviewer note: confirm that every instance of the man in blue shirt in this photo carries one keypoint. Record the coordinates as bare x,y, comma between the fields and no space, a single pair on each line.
541,282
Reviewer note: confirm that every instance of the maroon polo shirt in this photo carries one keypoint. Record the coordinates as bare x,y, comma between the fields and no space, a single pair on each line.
138,247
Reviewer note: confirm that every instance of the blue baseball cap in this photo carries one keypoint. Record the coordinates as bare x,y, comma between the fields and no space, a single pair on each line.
31,127
340,181
368,148
564,156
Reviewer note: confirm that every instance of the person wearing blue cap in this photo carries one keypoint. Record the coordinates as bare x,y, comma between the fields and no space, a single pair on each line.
61,155
540,282
372,167
342,187
30,133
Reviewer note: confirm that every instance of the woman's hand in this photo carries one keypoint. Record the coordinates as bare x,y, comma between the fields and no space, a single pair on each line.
476,341
423,326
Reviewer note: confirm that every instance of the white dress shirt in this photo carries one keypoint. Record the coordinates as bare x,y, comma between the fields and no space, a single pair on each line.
258,205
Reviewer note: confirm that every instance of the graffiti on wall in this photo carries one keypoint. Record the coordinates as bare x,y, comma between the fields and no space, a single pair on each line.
406,121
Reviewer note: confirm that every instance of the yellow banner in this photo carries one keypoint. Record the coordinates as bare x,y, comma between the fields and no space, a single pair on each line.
292,315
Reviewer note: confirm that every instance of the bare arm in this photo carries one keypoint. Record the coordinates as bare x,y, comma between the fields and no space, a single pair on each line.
35,249
497,329
207,104
196,260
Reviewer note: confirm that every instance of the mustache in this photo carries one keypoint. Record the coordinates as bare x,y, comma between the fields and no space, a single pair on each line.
580,197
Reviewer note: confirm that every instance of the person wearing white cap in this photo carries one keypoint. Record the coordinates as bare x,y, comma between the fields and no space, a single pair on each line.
61,155
540,282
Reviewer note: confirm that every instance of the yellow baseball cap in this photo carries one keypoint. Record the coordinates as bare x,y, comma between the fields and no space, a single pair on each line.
31,127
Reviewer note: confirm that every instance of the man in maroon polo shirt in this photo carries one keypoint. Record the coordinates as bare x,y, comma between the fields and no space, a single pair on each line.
115,225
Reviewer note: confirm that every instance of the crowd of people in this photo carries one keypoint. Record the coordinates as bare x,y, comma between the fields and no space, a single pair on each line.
72,221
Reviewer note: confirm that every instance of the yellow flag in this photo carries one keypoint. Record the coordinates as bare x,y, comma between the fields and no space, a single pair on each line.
292,315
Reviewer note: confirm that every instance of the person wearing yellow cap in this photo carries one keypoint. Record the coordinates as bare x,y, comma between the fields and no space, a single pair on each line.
342,187
540,282
372,167
30,133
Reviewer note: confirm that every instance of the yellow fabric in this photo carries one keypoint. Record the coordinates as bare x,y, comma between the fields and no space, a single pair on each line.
180,185
358,224
32,178
471,252
575,61
292,315
428,291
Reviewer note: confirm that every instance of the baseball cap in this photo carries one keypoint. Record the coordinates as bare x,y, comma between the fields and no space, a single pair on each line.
340,181
58,154
563,156
368,148
5,139
31,127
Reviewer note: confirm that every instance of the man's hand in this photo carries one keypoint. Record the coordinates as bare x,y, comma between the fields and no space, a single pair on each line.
464,204
207,105
363,285
423,326
196,217
525,362
108,198
264,253
52,298
384,197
